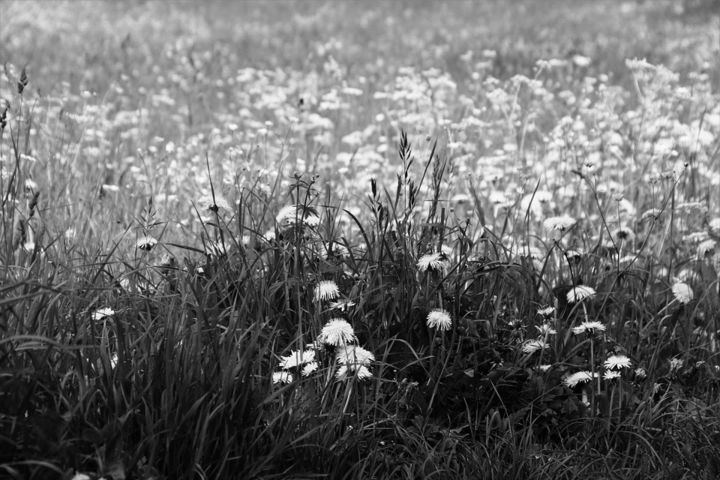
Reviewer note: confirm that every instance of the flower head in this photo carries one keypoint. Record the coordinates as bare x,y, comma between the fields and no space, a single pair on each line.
353,355
337,332
577,377
282,377
343,305
558,224
590,327
545,329
297,358
611,375
212,204
579,293
546,312
532,346
101,313
617,362
439,318
309,368
326,290
433,261
682,292
146,243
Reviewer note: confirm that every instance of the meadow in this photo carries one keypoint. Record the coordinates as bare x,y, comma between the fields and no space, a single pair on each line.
359,240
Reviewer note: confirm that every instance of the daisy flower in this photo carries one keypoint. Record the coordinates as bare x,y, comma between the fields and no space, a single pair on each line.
439,318
617,362
282,377
577,377
682,292
532,346
580,293
590,327
337,332
326,290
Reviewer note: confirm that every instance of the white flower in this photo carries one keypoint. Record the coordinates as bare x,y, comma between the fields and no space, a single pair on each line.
297,358
532,346
433,261
546,312
352,356
290,214
326,290
624,234
589,327
214,204
101,313
439,318
617,361
361,372
682,292
611,375
545,367
337,332
559,224
342,305
309,368
545,329
146,243
577,377
580,293
640,373
282,377
676,364
706,248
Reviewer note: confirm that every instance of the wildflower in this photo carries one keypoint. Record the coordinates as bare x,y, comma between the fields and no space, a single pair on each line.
545,329
640,373
706,248
611,375
439,318
309,368
146,243
580,293
624,234
590,327
212,203
617,361
532,346
342,305
546,312
282,377
577,377
101,313
545,367
682,292
362,372
290,214
337,332
559,224
676,364
297,358
433,261
326,290
714,226
353,355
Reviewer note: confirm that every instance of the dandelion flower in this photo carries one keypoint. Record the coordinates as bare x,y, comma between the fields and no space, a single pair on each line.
361,372
580,293
682,292
617,362
309,368
577,377
676,364
337,332
532,346
611,375
297,358
101,313
326,290
545,367
282,377
352,356
559,224
214,204
546,312
706,248
546,329
640,373
146,243
590,327
439,318
433,261
624,234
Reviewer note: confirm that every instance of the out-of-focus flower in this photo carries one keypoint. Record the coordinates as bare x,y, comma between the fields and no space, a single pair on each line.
611,375
546,312
617,361
282,377
337,332
101,313
640,373
558,224
343,305
706,248
146,243
439,318
676,364
214,204
326,290
532,346
546,329
433,261
682,292
579,293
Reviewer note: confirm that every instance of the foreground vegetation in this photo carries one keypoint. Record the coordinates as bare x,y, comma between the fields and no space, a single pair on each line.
277,246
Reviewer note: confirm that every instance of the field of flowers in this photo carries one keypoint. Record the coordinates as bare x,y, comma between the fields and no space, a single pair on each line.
359,240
